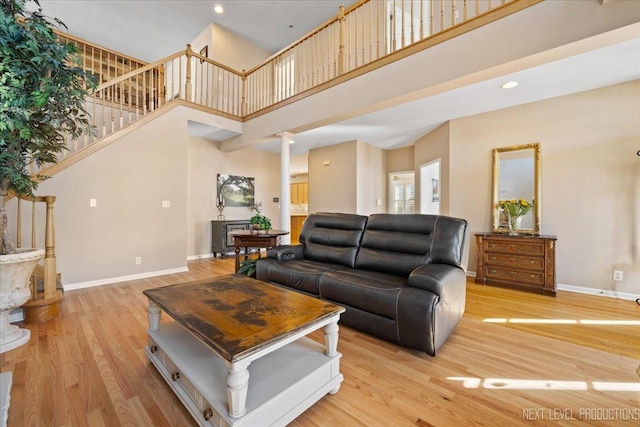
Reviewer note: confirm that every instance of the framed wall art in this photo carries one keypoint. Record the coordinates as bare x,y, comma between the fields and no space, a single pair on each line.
236,190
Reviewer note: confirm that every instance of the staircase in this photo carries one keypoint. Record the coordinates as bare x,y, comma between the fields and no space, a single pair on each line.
361,38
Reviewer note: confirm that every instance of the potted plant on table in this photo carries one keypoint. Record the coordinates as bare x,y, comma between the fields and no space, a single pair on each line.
259,222
42,95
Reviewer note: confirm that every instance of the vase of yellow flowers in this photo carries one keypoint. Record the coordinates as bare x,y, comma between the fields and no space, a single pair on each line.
515,209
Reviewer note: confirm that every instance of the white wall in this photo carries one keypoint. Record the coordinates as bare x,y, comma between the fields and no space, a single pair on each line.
429,172
428,148
590,179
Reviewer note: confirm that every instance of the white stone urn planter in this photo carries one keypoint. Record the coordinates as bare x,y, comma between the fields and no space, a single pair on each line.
15,271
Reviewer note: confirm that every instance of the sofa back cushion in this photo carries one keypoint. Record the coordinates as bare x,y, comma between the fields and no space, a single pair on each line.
332,237
397,244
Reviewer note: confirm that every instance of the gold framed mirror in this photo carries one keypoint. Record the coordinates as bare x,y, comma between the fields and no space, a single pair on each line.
516,175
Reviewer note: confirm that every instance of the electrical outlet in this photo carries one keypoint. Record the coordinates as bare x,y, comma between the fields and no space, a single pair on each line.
618,275
166,203
138,260
93,203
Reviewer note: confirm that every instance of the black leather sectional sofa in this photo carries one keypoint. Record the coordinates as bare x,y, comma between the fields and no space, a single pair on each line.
399,276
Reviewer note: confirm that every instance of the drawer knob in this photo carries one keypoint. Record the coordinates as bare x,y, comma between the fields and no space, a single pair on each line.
175,376
207,414
153,348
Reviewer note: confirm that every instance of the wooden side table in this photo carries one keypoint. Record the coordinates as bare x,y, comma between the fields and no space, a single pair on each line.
254,239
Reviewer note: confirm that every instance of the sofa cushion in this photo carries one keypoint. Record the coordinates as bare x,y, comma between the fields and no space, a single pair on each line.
370,291
398,244
332,237
302,275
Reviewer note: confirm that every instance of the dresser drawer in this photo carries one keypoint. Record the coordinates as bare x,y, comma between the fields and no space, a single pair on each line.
520,248
519,262
511,275
531,263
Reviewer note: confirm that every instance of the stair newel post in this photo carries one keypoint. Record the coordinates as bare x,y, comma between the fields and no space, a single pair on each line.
33,223
50,267
341,18
19,224
243,104
187,87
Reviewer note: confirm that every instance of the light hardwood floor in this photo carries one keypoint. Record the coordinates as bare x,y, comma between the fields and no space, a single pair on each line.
87,368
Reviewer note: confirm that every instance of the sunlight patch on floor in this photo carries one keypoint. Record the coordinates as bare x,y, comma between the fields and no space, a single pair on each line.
526,384
564,321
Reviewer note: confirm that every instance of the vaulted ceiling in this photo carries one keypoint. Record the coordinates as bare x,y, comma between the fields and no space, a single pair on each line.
150,30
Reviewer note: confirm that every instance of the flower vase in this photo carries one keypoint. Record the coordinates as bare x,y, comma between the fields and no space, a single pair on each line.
514,224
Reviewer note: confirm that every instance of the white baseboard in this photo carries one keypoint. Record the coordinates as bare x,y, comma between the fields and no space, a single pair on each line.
599,292
589,291
201,256
112,280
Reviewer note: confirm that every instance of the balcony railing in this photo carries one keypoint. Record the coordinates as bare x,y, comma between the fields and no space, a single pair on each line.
358,36
367,35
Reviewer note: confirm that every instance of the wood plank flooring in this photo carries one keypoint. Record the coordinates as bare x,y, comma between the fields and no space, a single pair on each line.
87,368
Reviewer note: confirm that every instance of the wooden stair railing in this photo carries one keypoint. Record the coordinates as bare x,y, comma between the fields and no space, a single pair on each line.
46,290
128,98
358,40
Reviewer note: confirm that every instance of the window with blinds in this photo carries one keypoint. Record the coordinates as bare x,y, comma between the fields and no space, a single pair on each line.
403,192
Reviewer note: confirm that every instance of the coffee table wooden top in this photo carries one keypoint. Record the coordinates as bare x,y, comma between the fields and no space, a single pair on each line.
237,316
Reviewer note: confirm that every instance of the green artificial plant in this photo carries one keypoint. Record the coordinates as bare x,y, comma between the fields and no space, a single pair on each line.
42,94
263,222
248,267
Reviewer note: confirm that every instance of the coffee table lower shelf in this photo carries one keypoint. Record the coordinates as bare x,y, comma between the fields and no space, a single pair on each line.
282,384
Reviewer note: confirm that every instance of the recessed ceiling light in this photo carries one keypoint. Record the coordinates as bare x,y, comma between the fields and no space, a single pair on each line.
218,8
509,85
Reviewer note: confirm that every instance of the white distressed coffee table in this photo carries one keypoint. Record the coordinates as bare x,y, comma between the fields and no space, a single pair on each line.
237,353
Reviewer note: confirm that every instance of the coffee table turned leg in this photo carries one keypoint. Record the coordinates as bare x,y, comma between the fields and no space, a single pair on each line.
331,337
331,343
153,313
237,386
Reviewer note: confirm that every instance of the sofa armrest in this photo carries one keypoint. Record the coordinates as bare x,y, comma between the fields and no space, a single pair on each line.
444,280
286,252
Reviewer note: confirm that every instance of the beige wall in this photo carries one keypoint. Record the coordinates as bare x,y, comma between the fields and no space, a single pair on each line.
130,178
400,159
205,161
333,188
228,48
353,181
590,178
430,147
371,179
464,60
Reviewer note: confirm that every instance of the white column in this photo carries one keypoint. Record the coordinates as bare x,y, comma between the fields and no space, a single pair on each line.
285,185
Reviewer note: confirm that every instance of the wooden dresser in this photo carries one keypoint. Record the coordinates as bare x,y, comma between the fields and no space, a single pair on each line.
523,262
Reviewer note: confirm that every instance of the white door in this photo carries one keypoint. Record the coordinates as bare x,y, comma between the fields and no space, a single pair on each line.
430,188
